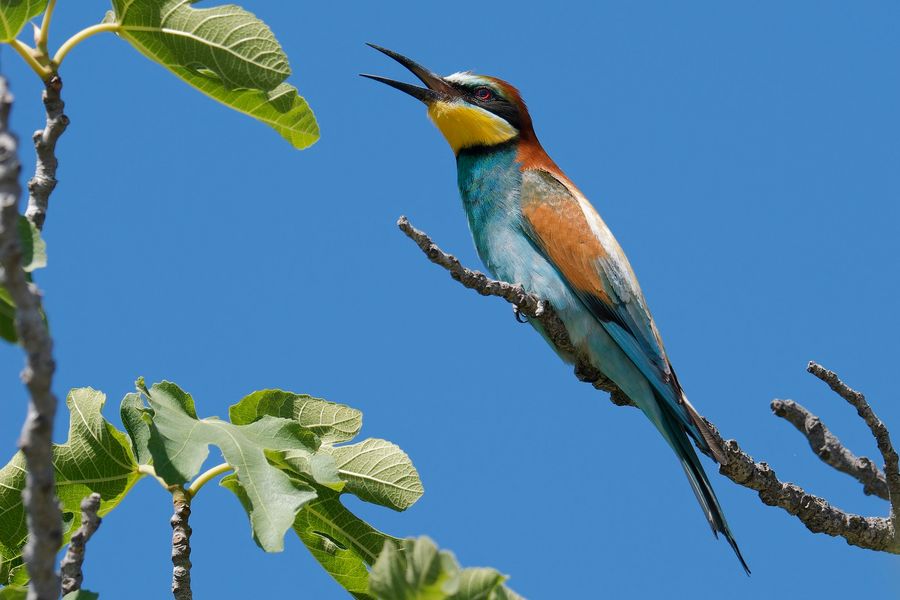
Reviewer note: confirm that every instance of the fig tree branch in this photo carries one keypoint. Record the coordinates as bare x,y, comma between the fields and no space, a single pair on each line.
72,562
42,184
39,496
181,545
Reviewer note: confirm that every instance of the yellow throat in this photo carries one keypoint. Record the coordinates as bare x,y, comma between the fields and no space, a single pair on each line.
465,125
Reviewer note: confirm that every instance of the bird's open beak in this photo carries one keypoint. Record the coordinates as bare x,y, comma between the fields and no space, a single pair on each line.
436,88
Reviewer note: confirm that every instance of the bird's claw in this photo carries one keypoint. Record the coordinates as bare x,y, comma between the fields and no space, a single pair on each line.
518,314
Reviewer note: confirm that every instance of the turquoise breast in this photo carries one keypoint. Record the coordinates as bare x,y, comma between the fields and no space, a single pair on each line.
490,180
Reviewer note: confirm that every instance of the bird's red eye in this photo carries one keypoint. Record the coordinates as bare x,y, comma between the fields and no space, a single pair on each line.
484,94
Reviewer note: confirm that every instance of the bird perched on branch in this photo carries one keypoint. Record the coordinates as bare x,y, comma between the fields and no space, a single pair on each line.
533,227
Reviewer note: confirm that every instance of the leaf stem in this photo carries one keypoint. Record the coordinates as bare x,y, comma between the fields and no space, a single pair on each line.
149,470
43,36
27,53
80,37
205,478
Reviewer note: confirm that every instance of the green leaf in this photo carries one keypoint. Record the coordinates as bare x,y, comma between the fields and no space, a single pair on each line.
343,543
18,592
7,317
302,493
137,418
379,472
419,571
15,13
96,458
15,572
504,593
226,53
14,592
478,583
283,109
34,256
179,444
318,468
375,470
331,421
227,40
34,249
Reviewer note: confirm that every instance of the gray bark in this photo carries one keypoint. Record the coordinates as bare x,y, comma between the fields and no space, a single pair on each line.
181,546
42,184
830,449
39,496
71,566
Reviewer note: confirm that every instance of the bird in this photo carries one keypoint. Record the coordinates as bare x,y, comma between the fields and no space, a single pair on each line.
533,227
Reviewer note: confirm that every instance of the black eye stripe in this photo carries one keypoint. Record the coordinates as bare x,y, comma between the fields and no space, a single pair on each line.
496,104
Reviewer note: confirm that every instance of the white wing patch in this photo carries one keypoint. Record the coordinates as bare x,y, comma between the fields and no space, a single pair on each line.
618,269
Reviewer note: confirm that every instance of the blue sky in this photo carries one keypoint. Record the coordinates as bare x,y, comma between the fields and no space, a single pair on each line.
746,156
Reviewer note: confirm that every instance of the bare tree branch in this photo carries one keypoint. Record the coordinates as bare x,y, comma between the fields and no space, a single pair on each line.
873,533
181,546
39,496
830,449
876,426
44,181
526,304
44,519
72,562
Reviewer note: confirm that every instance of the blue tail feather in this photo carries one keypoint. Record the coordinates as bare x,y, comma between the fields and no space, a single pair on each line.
680,442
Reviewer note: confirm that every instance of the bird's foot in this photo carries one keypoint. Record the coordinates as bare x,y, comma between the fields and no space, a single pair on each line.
520,317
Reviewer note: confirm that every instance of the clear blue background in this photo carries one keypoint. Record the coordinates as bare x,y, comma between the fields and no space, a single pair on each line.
745,156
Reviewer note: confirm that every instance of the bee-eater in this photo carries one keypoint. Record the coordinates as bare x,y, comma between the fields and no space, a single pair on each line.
533,227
